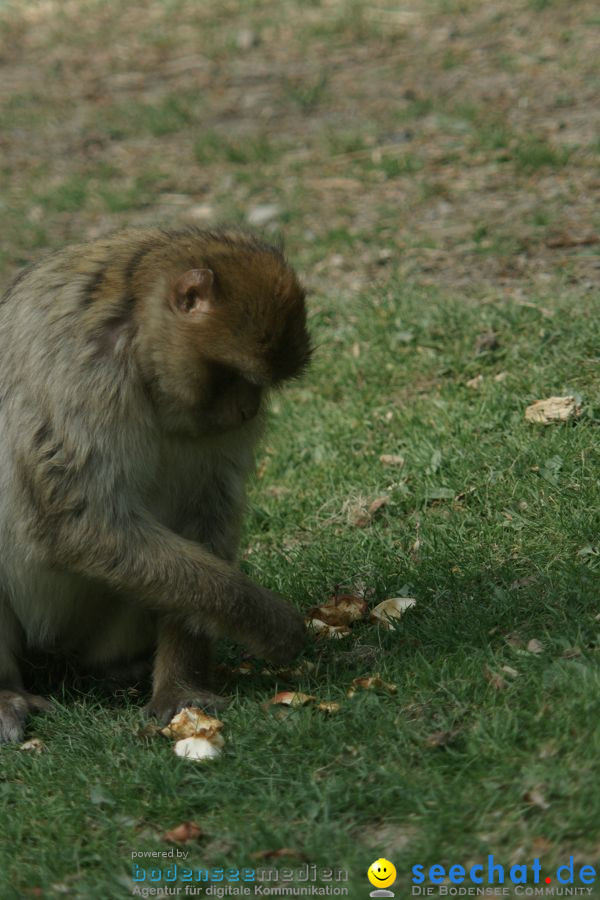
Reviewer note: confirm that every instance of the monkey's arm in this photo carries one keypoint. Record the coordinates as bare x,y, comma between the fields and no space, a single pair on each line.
179,578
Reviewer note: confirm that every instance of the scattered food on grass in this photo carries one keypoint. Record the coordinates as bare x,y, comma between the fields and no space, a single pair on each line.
441,738
391,459
290,698
475,383
554,409
494,679
192,722
329,706
342,609
34,745
196,733
510,671
322,629
371,683
181,834
535,798
360,514
199,748
391,609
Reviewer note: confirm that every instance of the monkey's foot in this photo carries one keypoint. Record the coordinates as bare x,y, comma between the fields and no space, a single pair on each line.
15,706
167,702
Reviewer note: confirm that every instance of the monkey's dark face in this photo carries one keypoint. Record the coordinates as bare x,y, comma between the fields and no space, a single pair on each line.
228,399
246,313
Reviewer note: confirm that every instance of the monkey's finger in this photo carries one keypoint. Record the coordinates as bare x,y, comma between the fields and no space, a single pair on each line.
37,703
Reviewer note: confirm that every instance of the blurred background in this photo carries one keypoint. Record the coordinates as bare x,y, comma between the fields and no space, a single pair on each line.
458,139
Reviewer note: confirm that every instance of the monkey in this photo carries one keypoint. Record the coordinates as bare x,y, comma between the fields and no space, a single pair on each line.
135,371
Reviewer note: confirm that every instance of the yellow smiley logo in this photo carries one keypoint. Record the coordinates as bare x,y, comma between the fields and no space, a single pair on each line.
381,873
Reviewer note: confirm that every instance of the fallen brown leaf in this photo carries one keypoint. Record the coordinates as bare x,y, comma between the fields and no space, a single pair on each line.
181,834
361,516
535,646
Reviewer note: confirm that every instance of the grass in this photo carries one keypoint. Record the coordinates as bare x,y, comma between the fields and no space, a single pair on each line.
506,518
421,184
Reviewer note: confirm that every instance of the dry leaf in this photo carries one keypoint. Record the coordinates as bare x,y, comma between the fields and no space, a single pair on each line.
541,845
392,608
192,722
510,671
342,609
441,738
199,748
328,631
573,240
187,831
536,798
329,707
495,680
372,683
290,698
362,516
486,342
535,646
391,459
554,409
475,383
35,745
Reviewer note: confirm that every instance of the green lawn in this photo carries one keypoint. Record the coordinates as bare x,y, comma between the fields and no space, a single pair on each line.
422,216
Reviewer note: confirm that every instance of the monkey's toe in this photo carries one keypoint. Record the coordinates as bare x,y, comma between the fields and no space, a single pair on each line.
164,704
14,709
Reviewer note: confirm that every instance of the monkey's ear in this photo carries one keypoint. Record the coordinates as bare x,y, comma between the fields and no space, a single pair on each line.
193,292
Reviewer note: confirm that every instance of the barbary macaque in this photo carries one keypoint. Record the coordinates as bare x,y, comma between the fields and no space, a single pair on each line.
134,371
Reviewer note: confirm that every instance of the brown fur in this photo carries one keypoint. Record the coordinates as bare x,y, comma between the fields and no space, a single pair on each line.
133,375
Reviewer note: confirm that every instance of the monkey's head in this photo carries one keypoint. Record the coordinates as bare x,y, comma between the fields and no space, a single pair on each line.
239,322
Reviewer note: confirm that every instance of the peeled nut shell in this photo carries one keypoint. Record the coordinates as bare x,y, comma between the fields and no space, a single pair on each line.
393,608
192,722
199,748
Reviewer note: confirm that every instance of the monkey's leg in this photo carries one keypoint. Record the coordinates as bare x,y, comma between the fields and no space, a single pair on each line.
182,672
15,702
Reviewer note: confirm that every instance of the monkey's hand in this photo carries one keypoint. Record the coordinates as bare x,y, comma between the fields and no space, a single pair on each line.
14,709
171,699
278,632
